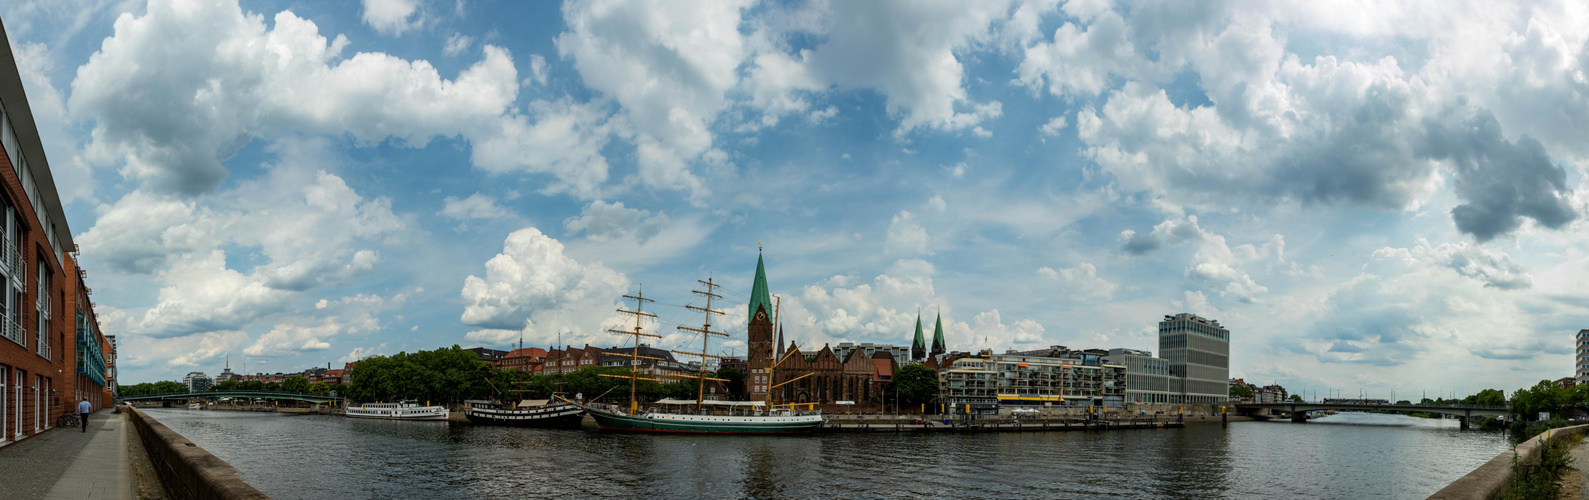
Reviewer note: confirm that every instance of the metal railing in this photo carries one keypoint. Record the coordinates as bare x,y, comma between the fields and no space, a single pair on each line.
43,348
12,331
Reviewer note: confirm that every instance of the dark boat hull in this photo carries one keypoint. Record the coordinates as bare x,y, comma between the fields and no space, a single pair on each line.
559,415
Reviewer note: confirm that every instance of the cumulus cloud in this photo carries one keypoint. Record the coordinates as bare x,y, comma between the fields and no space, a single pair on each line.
532,288
392,17
905,236
667,65
476,206
229,79
602,222
353,315
1491,267
457,43
1083,281
201,294
1169,233
1278,128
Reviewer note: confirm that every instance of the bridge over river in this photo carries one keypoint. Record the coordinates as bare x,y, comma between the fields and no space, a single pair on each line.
1298,410
272,395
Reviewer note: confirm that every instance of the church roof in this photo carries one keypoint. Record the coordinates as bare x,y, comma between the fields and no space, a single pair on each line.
758,292
921,341
937,334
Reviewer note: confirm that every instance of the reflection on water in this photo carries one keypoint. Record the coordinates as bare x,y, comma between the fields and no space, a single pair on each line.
1341,456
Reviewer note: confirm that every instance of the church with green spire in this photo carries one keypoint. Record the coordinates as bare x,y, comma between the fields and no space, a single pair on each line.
937,335
918,347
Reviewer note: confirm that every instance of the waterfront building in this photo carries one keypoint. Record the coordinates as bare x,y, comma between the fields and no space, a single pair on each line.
197,382
1147,377
1270,394
896,352
813,375
1566,383
1198,350
1059,376
51,346
226,374
1583,356
488,355
659,363
525,359
970,383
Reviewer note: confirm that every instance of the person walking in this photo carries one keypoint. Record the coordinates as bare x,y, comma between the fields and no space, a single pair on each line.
82,413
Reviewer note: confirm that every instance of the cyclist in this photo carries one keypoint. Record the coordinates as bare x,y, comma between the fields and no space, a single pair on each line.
82,413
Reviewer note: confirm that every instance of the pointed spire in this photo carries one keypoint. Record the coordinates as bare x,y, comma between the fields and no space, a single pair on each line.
779,342
937,336
759,298
918,347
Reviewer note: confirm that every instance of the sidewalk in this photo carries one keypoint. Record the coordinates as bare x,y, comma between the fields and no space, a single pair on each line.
67,463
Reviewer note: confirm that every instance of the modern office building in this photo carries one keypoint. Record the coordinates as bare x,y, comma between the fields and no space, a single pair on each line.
1583,356
51,348
1147,377
1198,350
197,382
899,352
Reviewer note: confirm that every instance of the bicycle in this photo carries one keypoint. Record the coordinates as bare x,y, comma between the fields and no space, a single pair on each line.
68,420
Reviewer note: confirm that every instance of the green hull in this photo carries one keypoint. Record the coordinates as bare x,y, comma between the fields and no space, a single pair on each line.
610,421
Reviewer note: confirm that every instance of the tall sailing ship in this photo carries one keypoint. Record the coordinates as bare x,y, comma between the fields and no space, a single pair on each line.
706,417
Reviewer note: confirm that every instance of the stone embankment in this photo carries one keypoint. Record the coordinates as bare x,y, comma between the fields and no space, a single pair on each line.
1489,479
186,469
889,424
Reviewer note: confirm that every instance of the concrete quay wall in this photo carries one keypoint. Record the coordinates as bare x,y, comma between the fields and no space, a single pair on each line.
1488,480
185,469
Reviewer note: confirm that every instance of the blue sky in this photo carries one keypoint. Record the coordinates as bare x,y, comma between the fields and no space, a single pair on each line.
1386,195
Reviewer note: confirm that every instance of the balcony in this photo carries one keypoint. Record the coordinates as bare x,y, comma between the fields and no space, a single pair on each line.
13,332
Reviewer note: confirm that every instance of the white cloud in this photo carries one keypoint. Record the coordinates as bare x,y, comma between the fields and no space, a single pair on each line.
227,79
457,43
668,65
476,206
352,315
533,289
905,236
603,222
537,70
1083,281
202,295
392,17
1053,126
1493,268
564,140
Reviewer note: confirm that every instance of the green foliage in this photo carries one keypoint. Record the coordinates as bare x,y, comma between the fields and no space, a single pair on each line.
1487,397
1240,391
1545,396
916,384
447,375
735,382
230,385
1538,479
150,388
1296,397
295,385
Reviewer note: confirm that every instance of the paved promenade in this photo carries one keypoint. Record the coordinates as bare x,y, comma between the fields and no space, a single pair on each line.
72,464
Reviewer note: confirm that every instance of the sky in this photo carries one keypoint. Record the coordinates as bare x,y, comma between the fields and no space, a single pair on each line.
1372,196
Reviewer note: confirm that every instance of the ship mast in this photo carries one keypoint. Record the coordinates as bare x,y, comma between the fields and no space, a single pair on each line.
634,359
706,334
778,327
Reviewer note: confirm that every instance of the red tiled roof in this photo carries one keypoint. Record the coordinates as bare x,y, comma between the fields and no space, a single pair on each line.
882,369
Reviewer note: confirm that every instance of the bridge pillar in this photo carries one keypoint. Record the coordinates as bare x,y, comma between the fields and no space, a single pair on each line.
1300,417
1464,422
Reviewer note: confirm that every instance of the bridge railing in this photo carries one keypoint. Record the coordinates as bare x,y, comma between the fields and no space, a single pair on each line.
222,394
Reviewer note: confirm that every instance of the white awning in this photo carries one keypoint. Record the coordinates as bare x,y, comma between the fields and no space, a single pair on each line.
670,401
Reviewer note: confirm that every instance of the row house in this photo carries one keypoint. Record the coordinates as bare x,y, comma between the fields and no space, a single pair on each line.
52,351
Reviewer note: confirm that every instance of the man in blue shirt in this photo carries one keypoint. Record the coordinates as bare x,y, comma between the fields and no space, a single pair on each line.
82,412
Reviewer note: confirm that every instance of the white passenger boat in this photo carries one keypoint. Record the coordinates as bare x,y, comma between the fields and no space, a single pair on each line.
398,411
195,406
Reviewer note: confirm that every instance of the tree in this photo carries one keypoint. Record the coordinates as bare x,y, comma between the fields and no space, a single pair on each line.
1545,396
1296,397
736,383
914,385
1240,391
295,385
1487,397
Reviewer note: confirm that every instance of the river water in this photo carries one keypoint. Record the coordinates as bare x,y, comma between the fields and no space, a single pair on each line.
1341,456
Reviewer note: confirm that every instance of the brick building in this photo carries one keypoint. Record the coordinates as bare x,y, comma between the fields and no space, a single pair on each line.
52,351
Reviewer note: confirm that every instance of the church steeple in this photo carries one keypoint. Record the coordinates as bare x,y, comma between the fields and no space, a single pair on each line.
759,298
918,348
937,336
